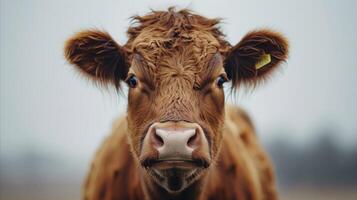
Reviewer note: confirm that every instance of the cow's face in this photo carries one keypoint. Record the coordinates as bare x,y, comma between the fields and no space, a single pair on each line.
175,65
176,104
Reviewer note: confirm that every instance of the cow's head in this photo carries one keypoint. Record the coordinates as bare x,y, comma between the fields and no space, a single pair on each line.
175,65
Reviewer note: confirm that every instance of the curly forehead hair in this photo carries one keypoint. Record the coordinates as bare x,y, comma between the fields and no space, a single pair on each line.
174,27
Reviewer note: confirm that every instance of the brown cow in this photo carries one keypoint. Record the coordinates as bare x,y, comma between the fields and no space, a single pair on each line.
179,140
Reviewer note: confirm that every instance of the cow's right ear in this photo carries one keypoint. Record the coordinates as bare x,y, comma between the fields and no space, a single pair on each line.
97,56
256,57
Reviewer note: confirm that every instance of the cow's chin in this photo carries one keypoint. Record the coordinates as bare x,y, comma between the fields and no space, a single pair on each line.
175,175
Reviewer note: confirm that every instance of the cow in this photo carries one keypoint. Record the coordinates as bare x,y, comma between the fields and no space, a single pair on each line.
178,139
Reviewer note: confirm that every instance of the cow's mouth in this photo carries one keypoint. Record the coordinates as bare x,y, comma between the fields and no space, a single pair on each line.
175,175
161,164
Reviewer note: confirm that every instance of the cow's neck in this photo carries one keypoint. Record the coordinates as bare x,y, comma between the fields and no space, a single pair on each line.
154,191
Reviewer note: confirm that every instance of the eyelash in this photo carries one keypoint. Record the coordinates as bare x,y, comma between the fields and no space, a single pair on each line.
221,80
132,81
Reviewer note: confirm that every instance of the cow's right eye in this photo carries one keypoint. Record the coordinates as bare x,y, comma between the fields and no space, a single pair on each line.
132,81
221,80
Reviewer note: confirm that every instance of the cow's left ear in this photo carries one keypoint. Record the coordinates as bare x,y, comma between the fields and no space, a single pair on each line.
254,58
97,56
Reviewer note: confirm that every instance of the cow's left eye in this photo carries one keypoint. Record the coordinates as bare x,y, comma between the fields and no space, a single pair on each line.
221,80
132,81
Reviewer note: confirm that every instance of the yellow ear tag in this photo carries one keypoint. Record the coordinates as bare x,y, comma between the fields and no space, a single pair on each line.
264,60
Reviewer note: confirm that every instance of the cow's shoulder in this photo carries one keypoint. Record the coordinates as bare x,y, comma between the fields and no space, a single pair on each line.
113,173
243,170
237,120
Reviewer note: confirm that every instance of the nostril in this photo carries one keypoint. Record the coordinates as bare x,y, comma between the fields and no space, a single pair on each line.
157,140
193,140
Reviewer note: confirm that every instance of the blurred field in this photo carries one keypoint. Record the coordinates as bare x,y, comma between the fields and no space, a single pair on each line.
36,191
317,193
71,192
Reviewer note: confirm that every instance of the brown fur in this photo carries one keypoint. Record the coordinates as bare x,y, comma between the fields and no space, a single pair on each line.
177,57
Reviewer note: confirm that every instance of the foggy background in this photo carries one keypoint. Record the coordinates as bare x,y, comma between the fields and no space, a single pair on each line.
52,120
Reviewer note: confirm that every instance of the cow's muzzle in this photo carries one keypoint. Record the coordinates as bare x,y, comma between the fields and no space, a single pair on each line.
175,151
176,142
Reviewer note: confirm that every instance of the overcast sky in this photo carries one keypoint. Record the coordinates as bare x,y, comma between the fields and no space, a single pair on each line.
46,106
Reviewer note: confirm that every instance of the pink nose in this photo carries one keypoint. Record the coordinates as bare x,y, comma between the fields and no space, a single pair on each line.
176,140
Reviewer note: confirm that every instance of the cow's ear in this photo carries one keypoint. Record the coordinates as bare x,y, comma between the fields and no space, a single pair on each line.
97,56
255,57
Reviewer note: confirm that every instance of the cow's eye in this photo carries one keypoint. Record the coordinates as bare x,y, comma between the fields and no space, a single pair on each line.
132,81
221,80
